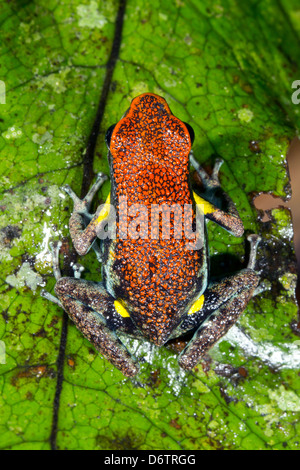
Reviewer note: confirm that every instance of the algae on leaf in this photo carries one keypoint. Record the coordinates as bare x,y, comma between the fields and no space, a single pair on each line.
227,70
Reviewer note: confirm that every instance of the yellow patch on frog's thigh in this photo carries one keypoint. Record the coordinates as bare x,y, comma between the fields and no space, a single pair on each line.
121,309
207,207
197,305
104,213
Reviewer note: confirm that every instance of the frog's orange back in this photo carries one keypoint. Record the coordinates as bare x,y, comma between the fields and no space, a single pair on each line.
150,166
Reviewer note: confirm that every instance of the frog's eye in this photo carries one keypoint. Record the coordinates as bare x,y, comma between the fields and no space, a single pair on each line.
191,132
108,135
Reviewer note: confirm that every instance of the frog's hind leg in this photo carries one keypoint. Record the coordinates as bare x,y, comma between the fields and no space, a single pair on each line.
223,304
93,311
77,268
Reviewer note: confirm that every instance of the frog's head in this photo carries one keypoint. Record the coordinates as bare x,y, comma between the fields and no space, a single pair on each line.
149,123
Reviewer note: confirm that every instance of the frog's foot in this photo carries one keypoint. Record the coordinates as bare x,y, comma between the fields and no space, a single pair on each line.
209,182
93,311
101,177
82,206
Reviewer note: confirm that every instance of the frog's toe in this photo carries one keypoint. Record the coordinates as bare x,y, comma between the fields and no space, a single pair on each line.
55,246
50,297
254,242
102,176
67,189
55,249
215,174
78,269
254,239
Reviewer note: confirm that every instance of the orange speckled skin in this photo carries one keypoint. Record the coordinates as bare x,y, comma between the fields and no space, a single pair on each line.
156,278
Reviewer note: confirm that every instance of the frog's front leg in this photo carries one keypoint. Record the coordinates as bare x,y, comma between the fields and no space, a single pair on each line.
84,226
218,309
217,205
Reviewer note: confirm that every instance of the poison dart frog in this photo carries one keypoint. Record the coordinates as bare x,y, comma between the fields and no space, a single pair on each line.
155,281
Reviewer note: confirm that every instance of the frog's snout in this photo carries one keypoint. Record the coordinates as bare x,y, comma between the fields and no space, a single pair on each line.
157,336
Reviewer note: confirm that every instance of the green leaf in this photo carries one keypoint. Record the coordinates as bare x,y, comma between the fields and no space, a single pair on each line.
225,68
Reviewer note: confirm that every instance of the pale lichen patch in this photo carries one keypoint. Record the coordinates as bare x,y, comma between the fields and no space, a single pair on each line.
245,115
90,17
286,400
25,277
